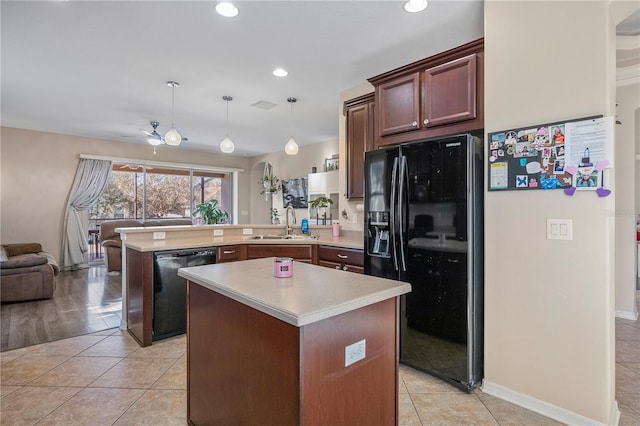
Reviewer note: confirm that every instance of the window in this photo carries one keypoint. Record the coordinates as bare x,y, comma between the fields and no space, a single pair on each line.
149,192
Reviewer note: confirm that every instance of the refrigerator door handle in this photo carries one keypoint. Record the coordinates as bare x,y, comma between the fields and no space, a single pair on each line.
403,175
392,211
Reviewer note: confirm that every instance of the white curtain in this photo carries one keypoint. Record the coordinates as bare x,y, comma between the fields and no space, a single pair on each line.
90,182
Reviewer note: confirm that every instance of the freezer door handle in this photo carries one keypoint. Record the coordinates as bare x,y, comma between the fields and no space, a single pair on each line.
403,177
392,211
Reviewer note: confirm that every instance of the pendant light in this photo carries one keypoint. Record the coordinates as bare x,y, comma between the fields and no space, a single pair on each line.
172,137
291,148
415,6
227,145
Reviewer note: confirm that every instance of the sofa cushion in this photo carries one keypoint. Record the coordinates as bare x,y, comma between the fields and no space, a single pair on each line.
18,249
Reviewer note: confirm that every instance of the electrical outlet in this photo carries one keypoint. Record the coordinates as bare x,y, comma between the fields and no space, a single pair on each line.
247,231
218,232
355,352
159,235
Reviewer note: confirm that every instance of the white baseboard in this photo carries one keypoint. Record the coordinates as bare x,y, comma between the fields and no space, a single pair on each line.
554,412
633,316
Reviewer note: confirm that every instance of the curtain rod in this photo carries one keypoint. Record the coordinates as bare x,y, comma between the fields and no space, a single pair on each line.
161,163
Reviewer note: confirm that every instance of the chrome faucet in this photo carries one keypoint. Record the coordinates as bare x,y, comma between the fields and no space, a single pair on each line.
289,228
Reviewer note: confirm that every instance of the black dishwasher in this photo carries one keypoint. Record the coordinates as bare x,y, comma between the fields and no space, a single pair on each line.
170,290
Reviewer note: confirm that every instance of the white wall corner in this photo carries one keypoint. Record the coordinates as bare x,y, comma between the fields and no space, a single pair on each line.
627,75
633,316
615,414
544,408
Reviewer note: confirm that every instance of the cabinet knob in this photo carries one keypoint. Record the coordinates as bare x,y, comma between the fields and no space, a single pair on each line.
414,124
338,267
344,268
426,121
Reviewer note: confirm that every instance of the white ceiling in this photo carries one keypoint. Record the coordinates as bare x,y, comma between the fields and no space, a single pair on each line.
99,68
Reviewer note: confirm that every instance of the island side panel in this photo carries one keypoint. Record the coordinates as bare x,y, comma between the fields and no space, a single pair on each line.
242,365
364,392
140,295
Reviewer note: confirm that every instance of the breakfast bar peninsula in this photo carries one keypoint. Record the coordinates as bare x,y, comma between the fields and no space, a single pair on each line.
317,348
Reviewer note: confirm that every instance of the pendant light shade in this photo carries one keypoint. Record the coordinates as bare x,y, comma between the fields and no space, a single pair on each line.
291,147
415,6
172,137
227,146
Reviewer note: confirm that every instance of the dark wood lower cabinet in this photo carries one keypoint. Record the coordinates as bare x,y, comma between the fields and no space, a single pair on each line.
344,259
247,367
139,281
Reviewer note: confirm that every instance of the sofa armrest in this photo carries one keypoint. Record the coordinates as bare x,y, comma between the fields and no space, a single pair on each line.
23,262
112,243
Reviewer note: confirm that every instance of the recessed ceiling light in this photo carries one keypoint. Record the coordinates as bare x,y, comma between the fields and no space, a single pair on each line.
415,6
226,9
279,72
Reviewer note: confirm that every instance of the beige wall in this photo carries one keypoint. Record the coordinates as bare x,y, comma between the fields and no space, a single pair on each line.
287,167
549,310
37,170
628,98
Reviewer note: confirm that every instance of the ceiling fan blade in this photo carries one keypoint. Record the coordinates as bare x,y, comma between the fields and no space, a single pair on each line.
145,132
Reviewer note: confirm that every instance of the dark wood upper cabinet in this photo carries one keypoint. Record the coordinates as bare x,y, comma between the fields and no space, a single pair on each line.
437,96
399,105
449,92
360,135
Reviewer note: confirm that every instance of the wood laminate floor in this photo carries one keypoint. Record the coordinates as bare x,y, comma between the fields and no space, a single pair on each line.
85,301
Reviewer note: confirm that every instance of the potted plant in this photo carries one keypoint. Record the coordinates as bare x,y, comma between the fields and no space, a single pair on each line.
270,185
321,203
211,212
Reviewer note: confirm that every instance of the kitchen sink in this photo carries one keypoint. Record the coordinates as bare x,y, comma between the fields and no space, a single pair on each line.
284,237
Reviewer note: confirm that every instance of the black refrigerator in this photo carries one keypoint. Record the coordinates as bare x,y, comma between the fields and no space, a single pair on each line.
423,211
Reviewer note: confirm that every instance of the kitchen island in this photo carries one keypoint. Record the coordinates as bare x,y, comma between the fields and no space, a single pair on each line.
318,348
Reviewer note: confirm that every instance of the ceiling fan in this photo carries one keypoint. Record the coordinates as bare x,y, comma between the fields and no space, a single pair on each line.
154,138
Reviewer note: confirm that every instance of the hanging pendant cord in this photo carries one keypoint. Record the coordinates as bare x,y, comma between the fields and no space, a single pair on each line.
173,91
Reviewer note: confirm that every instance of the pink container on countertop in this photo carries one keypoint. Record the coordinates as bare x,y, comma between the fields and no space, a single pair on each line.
283,267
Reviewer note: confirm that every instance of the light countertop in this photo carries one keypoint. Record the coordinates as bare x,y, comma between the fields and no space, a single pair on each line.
312,294
351,240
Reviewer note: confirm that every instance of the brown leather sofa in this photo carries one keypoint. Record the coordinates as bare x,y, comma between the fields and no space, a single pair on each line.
112,244
26,272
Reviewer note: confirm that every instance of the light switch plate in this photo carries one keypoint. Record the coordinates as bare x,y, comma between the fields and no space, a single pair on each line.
218,232
559,229
159,235
247,231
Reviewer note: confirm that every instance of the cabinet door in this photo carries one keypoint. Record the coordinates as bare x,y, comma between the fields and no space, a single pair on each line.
359,140
398,105
449,92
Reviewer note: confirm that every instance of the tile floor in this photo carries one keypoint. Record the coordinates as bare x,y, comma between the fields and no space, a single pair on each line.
105,378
